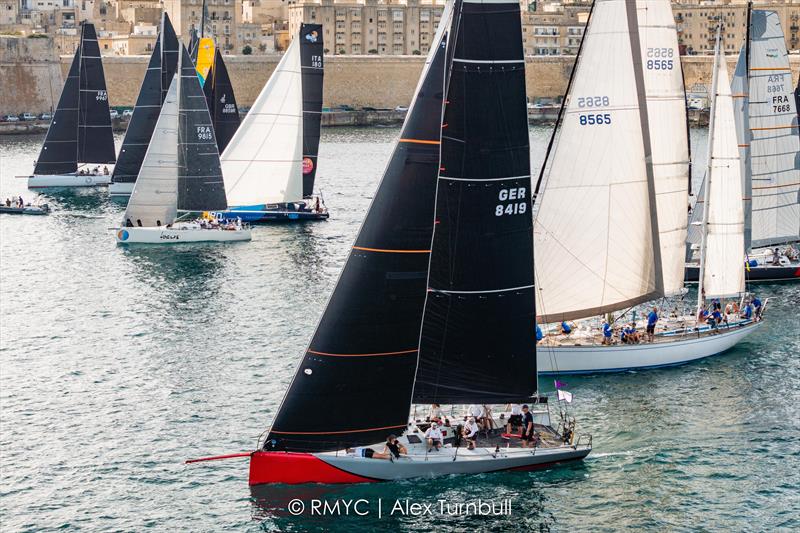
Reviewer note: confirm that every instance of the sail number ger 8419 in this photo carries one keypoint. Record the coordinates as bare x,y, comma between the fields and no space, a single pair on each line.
515,207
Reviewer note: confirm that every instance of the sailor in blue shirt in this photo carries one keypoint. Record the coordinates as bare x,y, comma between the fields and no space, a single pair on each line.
652,318
757,306
565,328
717,316
539,335
607,332
748,311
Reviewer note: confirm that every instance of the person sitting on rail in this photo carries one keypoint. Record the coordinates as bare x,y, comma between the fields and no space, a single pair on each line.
392,450
539,334
470,433
747,312
566,329
515,418
434,437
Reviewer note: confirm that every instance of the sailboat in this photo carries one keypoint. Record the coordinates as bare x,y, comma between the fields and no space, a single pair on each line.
180,173
80,132
415,319
221,102
271,162
610,225
769,146
160,71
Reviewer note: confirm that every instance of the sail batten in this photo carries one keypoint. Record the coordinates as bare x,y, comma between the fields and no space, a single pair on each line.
596,225
365,345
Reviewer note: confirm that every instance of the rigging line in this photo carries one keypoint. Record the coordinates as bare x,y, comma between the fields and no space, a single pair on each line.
563,107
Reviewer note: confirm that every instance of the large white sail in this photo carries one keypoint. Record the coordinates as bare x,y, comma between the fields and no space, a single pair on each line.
724,263
596,243
263,161
775,143
154,198
666,109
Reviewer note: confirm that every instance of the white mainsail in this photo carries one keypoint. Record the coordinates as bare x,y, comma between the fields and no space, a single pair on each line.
595,232
154,198
723,275
262,164
666,110
775,143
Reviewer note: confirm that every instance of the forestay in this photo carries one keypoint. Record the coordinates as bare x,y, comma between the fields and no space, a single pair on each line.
596,231
154,198
263,161
362,357
724,270
775,143
666,109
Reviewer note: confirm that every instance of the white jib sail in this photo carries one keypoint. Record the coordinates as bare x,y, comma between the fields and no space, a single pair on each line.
262,164
154,199
666,108
775,143
594,245
724,268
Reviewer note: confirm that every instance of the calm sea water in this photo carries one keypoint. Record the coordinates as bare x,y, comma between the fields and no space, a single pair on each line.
117,364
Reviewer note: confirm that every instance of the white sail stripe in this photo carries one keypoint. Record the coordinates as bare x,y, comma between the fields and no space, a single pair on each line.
485,179
490,291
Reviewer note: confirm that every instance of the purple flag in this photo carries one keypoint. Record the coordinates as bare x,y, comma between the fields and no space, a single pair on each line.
559,384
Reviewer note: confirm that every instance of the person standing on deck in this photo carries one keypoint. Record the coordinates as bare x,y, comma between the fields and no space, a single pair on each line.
607,332
527,426
652,318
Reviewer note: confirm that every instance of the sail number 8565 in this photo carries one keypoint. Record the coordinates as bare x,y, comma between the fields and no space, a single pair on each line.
514,207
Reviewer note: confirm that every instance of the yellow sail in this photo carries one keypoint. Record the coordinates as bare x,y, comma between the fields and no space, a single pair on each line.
205,57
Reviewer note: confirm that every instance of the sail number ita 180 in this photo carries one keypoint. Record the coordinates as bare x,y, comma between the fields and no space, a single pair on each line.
515,207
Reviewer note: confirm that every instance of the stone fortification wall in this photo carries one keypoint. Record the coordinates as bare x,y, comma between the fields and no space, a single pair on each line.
30,75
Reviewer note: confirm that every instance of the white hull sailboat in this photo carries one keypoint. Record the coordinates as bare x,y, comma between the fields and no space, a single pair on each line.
588,356
611,231
181,232
79,147
180,173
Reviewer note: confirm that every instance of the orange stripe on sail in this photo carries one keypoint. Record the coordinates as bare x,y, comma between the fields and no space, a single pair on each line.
418,141
744,146
770,68
333,432
404,352
774,128
383,250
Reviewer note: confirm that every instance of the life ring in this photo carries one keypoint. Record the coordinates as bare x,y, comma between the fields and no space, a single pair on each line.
88,180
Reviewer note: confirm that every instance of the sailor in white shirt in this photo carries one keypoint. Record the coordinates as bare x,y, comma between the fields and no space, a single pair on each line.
471,433
515,418
434,437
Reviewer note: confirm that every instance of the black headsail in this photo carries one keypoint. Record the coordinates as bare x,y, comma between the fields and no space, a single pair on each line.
362,357
60,149
200,185
95,136
311,64
159,74
478,340
221,102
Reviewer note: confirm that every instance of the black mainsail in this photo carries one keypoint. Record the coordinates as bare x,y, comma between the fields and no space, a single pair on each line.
81,127
362,357
221,102
160,71
200,185
311,65
477,343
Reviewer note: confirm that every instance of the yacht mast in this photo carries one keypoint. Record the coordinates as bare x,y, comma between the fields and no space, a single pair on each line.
707,188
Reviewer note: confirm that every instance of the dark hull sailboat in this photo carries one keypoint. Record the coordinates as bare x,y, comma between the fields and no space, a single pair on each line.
424,320
270,164
221,102
160,71
80,132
